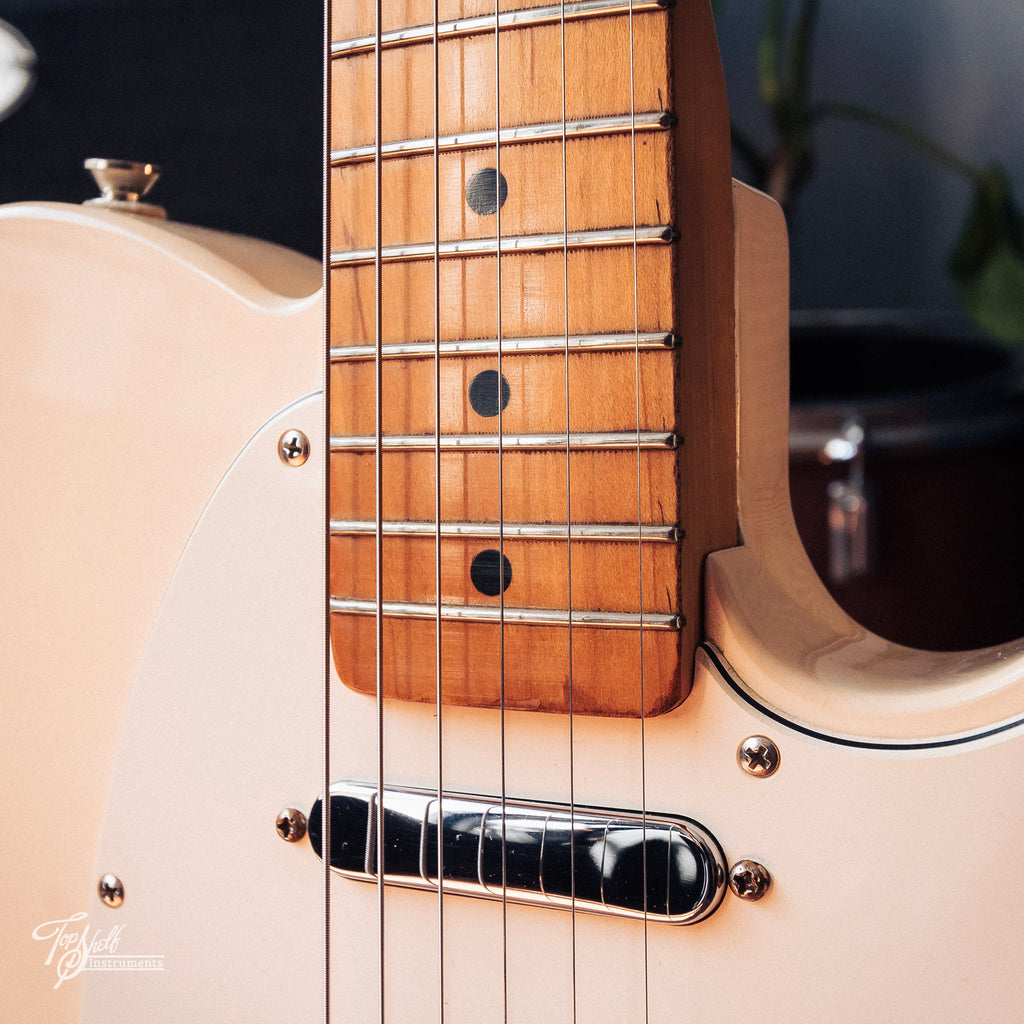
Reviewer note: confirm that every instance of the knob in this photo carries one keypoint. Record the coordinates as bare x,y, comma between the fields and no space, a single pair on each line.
122,184
17,69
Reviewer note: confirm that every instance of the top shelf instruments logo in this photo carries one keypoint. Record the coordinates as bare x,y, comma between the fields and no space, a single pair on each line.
73,946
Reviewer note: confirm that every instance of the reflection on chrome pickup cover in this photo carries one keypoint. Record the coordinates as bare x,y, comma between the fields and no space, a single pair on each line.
608,862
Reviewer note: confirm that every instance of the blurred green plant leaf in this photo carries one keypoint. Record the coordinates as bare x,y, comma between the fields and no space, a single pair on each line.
799,59
987,262
769,84
783,63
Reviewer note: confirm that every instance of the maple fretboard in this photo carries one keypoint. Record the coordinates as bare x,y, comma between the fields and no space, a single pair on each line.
554,347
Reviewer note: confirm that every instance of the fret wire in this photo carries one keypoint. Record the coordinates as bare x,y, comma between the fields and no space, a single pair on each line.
649,621
469,247
652,341
526,18
647,439
658,120
605,532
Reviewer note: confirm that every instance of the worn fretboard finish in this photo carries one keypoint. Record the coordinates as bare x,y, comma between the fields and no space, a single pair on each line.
570,307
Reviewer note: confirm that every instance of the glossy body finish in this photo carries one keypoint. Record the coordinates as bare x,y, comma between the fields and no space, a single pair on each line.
139,358
798,654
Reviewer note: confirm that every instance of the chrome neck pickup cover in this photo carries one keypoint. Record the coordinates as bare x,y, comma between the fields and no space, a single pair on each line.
654,868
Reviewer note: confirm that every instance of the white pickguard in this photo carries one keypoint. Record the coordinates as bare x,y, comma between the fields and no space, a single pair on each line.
223,731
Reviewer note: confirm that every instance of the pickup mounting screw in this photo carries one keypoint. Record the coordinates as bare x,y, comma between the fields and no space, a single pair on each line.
291,825
111,890
293,447
749,880
758,756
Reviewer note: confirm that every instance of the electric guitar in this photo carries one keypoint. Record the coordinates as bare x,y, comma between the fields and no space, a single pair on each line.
598,744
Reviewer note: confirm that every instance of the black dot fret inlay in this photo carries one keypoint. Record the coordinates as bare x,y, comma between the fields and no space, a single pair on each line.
485,574
483,393
486,191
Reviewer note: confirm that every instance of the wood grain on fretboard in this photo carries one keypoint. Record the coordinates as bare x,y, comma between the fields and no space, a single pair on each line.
655,359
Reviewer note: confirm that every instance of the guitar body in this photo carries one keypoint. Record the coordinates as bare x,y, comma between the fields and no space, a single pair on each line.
141,358
890,819
166,603
888,828
891,895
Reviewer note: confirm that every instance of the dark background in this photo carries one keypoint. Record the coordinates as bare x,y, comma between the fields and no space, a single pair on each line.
225,96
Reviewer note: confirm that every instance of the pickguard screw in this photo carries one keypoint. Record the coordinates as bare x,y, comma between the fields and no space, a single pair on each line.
758,756
749,880
291,825
293,447
111,890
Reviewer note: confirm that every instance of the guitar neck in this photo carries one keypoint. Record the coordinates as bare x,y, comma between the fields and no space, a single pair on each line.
533,422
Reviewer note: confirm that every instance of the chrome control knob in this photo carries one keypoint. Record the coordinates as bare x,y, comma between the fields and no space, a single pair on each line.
122,184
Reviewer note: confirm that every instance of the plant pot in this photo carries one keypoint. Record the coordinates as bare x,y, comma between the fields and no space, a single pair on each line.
907,474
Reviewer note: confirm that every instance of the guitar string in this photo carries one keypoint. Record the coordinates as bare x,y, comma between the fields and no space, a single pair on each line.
325,814
639,493
378,282
568,514
437,523
501,507
378,289
378,329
